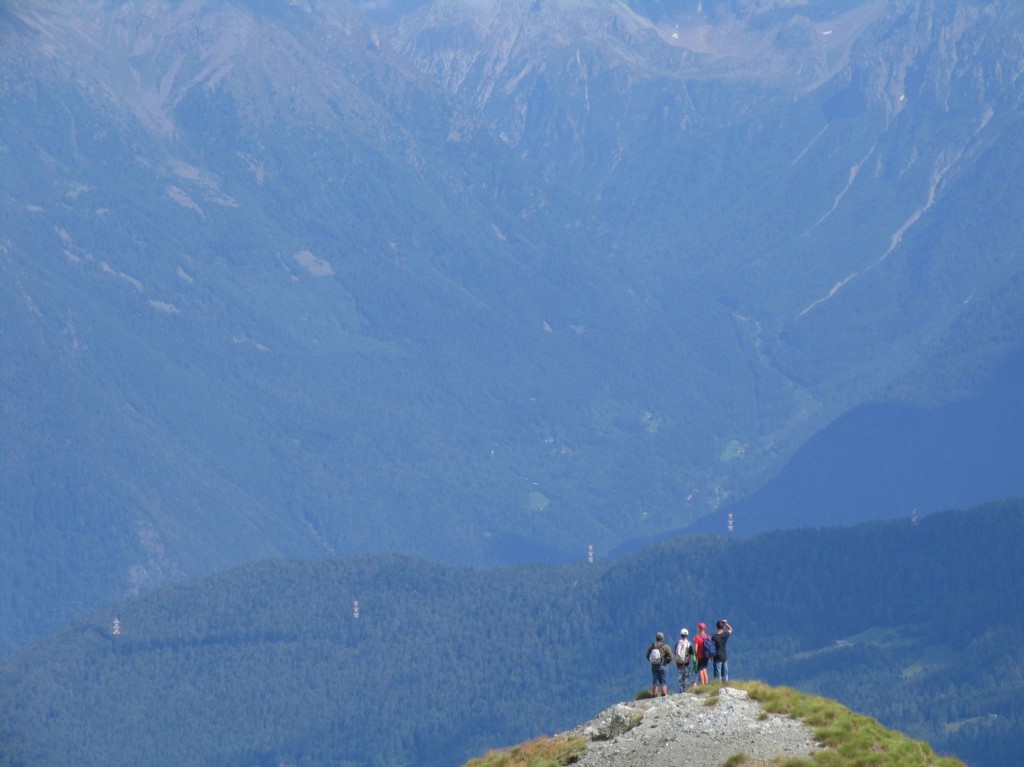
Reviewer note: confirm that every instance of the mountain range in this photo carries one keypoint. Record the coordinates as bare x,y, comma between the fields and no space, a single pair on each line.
493,282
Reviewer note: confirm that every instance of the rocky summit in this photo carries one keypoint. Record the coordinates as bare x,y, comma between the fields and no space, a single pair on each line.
691,729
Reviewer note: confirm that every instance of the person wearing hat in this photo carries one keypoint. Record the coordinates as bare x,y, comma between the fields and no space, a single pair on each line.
684,661
705,649
659,655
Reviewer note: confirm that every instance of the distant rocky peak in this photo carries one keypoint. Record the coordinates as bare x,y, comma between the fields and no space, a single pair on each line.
306,63
483,49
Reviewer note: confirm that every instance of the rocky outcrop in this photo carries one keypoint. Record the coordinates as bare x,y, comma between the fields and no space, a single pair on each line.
692,729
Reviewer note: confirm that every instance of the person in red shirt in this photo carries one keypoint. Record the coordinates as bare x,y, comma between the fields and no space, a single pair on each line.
705,649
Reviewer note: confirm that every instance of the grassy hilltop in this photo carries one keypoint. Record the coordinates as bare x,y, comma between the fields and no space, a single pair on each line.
847,739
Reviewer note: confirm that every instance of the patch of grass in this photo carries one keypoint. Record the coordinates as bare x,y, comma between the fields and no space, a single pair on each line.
537,501
711,691
542,752
737,760
851,740
732,451
952,727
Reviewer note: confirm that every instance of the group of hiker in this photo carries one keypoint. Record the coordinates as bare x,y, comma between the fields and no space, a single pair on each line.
691,658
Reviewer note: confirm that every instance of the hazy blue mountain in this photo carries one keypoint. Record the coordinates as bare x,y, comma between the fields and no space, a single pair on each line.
950,434
484,282
901,459
271,663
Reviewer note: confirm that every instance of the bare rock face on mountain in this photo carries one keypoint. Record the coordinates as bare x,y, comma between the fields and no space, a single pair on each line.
689,729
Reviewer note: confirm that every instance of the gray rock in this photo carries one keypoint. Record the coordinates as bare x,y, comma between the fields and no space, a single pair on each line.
683,730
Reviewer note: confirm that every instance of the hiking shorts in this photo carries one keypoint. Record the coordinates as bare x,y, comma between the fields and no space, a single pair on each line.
658,675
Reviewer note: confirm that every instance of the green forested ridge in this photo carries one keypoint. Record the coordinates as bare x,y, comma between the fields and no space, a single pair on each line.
917,625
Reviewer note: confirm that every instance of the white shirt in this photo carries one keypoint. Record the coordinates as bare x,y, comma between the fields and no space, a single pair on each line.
681,647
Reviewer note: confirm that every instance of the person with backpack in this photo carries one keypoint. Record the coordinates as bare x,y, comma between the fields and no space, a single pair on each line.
705,651
684,661
721,657
659,655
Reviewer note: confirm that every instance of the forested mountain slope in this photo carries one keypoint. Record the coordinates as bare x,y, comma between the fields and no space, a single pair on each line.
272,662
480,282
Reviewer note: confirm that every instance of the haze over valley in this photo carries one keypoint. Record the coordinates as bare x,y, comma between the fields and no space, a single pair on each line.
495,283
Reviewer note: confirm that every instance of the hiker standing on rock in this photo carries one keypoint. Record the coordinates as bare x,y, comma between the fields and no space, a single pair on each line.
721,658
705,651
684,661
659,655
